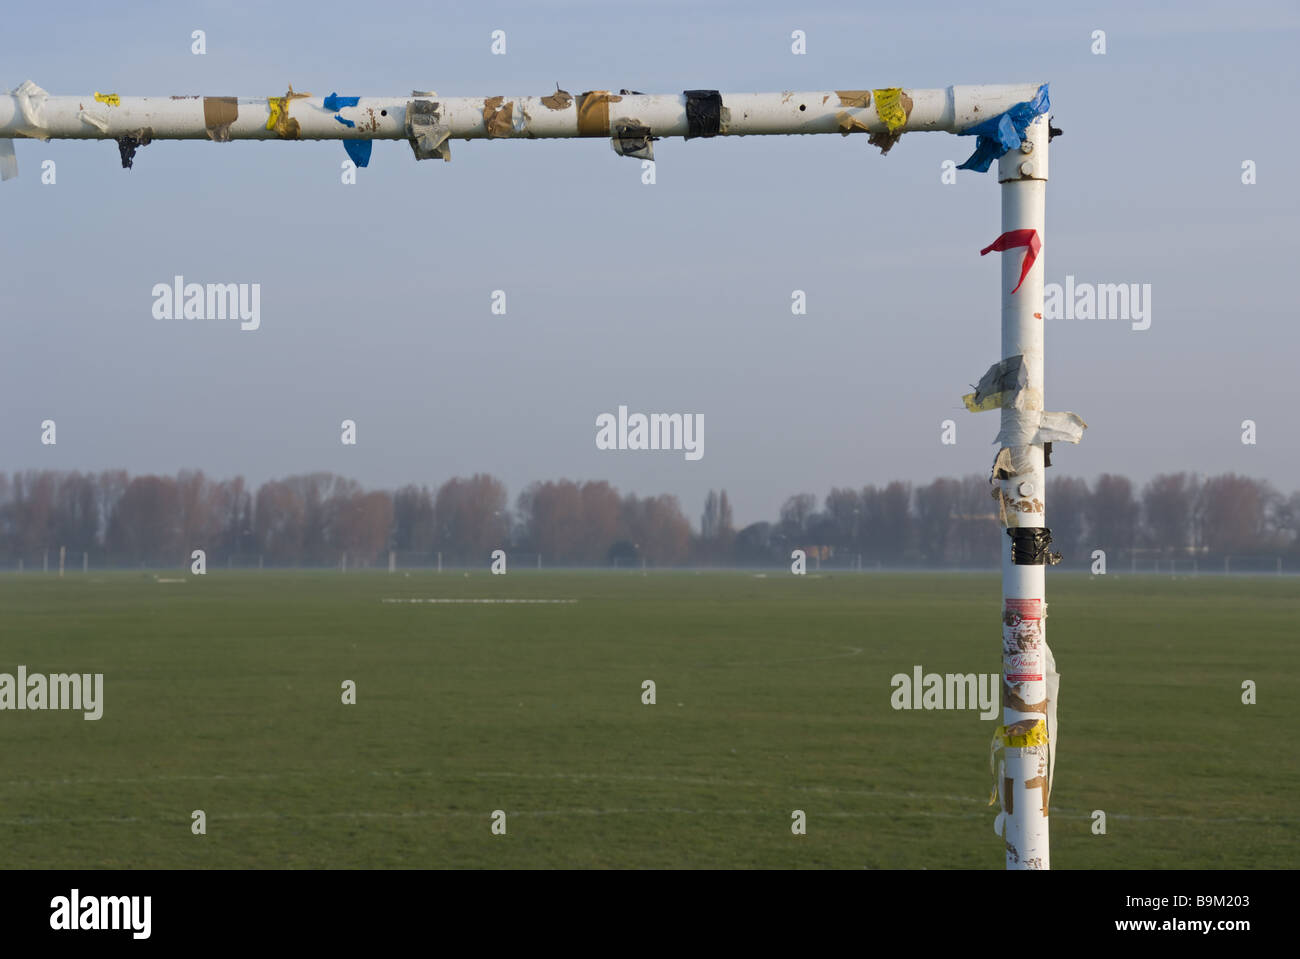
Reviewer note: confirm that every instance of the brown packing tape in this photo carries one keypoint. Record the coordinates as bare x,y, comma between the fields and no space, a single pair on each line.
218,114
559,100
593,112
848,123
498,116
1009,796
1002,505
884,140
854,98
1026,729
890,102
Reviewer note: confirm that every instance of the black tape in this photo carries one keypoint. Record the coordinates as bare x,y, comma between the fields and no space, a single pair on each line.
127,145
1047,455
703,113
1029,546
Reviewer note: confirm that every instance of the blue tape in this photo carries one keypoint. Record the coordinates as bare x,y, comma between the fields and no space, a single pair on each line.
359,151
996,135
335,103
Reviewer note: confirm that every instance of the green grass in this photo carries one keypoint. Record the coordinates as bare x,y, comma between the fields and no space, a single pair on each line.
222,693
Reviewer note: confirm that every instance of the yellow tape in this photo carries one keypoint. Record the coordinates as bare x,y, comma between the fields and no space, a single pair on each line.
112,99
1016,736
280,120
991,402
889,109
1019,735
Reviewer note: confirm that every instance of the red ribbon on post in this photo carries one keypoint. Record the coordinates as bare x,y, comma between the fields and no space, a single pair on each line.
1016,238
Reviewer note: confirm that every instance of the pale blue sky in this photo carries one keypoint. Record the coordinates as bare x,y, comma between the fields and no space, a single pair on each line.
672,297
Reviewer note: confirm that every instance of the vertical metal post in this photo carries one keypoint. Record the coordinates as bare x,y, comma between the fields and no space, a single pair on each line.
1022,174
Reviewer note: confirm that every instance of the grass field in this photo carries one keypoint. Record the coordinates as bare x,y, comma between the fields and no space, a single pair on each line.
223,693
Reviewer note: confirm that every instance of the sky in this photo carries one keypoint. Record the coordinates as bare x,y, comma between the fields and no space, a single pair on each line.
670,297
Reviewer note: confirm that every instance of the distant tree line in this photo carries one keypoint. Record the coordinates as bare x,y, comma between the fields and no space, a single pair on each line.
314,519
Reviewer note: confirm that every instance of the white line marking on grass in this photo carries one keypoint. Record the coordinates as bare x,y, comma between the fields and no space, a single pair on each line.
475,601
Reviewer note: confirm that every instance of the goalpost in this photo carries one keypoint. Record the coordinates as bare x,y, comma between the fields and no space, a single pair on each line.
1012,129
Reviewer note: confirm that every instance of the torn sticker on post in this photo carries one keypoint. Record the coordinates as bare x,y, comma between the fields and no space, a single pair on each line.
1038,427
559,100
108,99
1011,699
1011,461
1017,510
426,132
1013,239
498,117
1001,384
1022,621
1003,132
219,113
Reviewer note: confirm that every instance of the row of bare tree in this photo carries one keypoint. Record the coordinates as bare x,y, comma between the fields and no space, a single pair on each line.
954,521
313,519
